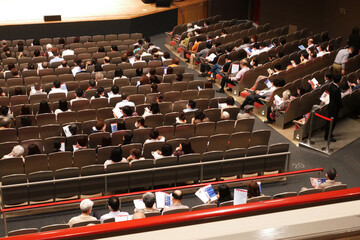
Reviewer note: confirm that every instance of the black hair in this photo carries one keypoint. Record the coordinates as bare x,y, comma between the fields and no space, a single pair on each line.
115,89
154,133
79,92
114,203
331,173
33,149
57,144
57,83
44,107
116,154
166,150
127,138
192,104
127,111
4,110
154,107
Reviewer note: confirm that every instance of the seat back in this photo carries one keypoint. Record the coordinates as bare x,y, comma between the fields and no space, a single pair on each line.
258,199
22,231
260,137
211,171
179,210
233,168
36,162
310,191
168,176
190,173
144,179
54,227
84,157
60,160
218,142
14,195
335,187
67,189
93,185
244,125
239,140
42,192
203,206
86,223
120,182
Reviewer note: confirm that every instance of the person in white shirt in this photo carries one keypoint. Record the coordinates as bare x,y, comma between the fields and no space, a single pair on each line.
37,89
17,151
125,102
78,93
63,107
57,88
68,51
56,59
191,107
115,157
154,137
265,94
166,151
114,207
236,78
86,208
321,51
154,109
114,92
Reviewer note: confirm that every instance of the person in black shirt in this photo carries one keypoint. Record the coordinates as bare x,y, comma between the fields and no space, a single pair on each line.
206,64
221,70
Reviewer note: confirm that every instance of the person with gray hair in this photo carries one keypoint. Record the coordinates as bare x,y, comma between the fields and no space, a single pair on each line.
86,208
149,201
5,123
279,104
17,151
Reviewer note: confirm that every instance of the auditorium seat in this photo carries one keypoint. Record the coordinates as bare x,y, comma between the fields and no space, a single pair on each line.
244,125
22,231
335,187
310,191
119,182
203,206
36,162
260,137
284,195
218,142
172,211
42,192
212,170
224,127
258,199
143,179
167,176
54,227
239,140
84,157
92,186
86,223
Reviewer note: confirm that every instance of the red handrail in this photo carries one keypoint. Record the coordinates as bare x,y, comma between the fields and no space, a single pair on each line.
162,190
97,230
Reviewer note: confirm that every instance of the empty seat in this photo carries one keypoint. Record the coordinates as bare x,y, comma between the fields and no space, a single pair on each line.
41,192
166,176
29,132
227,203
205,129
260,137
285,194
60,160
154,120
277,163
310,191
172,211
189,173
95,139
225,126
244,125
184,131
54,227
119,182
22,231
335,187
84,157
218,142
14,195
203,206
233,168
199,143
36,162
211,171
94,185
258,199
67,189
86,223
140,135
143,179
239,140
50,130
11,166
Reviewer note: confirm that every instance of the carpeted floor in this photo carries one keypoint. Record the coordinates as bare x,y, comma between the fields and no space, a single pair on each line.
346,161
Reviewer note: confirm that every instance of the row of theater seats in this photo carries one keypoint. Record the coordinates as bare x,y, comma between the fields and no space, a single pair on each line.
126,180
193,208
178,30
71,39
250,144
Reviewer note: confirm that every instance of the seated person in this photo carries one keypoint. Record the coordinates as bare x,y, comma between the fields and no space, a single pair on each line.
265,94
154,137
78,96
37,89
115,157
154,109
166,151
127,112
135,154
99,126
274,110
331,174
140,123
224,194
233,80
176,201
114,92
81,143
217,69
247,114
199,117
149,202
5,123
100,93
86,208
16,152
114,207
5,112
253,189
181,119
125,102
183,148
57,88
191,107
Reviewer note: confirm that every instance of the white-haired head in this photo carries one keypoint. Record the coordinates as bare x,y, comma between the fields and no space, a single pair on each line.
17,151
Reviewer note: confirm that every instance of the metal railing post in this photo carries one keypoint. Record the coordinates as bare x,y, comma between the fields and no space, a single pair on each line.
201,173
329,135
312,113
